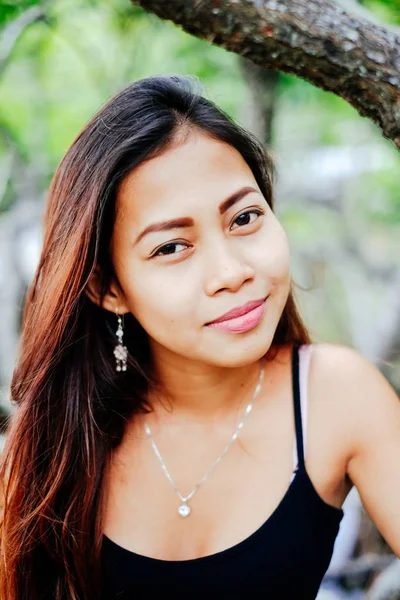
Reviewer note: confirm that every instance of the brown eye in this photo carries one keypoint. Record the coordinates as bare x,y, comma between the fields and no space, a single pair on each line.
244,218
167,249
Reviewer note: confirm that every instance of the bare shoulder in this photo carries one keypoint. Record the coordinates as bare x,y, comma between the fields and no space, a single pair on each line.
355,388
350,372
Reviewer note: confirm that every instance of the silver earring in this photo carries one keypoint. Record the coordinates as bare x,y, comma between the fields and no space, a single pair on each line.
120,351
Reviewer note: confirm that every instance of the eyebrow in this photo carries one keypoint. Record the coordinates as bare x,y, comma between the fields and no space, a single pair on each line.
183,222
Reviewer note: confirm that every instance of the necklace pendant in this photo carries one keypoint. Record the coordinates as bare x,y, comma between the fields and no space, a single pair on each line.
184,510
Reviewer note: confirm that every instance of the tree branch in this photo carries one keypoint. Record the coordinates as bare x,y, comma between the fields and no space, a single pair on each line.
313,39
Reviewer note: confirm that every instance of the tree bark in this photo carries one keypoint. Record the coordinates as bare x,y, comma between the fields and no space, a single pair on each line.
313,39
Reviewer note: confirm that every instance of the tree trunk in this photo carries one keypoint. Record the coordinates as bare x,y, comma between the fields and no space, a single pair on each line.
261,86
313,39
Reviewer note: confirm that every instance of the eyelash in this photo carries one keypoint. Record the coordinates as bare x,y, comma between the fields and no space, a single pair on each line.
257,211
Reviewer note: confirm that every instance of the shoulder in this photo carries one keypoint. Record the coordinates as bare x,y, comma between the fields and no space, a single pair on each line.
356,391
348,371
337,359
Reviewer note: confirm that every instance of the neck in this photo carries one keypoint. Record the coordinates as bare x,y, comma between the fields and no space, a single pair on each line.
200,393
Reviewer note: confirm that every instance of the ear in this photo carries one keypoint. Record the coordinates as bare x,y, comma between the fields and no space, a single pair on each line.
114,297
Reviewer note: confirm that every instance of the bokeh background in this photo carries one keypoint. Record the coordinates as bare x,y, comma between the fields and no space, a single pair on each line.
337,192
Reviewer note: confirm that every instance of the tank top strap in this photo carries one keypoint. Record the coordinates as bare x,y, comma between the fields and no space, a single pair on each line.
300,367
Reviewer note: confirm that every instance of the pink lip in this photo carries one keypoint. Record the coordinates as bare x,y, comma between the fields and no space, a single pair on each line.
239,311
250,315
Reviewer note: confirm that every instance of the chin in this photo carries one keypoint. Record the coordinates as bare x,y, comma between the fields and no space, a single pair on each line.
249,351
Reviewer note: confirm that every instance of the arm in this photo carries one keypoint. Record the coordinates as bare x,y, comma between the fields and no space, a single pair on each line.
374,463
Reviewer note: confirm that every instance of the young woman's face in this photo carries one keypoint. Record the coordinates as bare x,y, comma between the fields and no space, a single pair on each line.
178,277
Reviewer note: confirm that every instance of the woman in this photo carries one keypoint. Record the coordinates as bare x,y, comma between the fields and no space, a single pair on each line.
175,428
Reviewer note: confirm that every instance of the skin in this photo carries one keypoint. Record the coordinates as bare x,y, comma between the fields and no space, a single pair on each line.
208,375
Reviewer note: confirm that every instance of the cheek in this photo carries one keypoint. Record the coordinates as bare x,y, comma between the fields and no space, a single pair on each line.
156,302
275,255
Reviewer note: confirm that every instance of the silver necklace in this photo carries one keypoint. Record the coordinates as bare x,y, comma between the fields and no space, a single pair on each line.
184,510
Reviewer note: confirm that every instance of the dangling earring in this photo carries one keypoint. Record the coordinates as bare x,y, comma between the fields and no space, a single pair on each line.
120,351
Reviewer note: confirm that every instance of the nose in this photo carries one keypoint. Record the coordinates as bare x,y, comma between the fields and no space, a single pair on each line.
226,269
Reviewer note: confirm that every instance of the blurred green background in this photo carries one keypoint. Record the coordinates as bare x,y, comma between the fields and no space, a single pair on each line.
337,191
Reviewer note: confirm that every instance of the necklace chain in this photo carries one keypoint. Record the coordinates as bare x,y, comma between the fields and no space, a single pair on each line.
184,510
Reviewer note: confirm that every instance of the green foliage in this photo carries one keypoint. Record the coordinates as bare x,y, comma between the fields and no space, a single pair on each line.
10,10
387,10
64,66
97,50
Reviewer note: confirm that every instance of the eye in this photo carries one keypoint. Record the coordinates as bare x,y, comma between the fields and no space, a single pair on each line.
168,249
245,216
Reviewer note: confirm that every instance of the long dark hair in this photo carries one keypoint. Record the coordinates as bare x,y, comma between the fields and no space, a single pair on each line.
70,403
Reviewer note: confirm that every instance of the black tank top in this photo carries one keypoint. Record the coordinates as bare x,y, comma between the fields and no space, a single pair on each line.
284,559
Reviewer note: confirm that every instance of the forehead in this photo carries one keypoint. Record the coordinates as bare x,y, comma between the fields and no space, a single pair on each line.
195,172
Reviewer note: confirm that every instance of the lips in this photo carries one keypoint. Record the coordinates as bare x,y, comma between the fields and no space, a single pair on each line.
239,311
